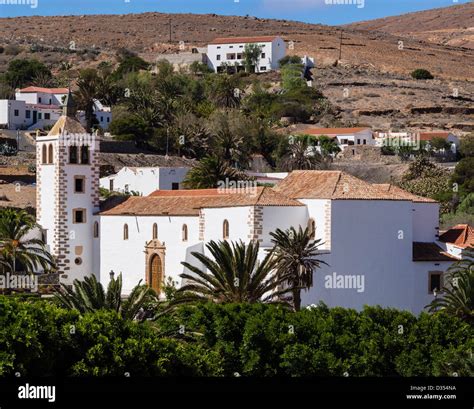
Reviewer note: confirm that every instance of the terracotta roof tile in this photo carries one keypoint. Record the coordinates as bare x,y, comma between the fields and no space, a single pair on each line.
428,136
66,125
403,194
461,235
185,203
332,131
338,185
45,90
430,252
243,40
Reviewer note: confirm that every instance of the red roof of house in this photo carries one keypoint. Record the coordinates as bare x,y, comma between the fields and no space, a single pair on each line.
428,136
461,235
332,131
185,193
236,40
45,90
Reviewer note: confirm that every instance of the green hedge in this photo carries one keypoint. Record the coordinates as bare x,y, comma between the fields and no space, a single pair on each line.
262,340
38,338
41,339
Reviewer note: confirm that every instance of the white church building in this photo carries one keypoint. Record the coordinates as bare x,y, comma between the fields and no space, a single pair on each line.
381,243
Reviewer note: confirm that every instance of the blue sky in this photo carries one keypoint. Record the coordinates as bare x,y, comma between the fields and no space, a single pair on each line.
311,11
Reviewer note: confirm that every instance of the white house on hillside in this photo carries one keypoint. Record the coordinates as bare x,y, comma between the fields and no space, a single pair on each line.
36,108
345,137
145,180
381,244
228,52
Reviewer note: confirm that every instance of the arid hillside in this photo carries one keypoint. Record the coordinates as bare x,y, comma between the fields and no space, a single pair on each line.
370,85
455,28
149,34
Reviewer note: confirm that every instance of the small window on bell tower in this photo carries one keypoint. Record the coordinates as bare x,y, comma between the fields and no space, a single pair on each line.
73,154
85,155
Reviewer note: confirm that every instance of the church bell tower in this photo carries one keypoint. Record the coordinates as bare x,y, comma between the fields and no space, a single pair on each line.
67,195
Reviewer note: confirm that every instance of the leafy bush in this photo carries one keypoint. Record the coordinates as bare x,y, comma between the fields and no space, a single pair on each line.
41,339
422,74
8,150
263,340
424,178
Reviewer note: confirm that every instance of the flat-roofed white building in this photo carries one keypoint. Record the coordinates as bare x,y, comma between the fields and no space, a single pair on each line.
345,137
144,180
228,52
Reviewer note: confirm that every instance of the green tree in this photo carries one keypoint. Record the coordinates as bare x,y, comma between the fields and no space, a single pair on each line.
301,156
466,147
440,144
88,295
329,146
233,274
289,59
209,172
251,54
232,139
23,72
86,94
292,77
128,63
463,176
19,250
224,90
295,253
457,296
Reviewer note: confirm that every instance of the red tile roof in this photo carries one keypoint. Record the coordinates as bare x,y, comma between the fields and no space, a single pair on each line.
332,131
428,136
188,203
337,185
387,187
45,90
461,235
185,193
243,40
430,252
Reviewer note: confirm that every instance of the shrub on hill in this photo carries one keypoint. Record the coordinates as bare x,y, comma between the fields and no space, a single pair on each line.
422,74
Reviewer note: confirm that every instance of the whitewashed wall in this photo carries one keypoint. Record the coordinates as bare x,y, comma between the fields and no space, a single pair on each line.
145,180
128,256
366,242
425,222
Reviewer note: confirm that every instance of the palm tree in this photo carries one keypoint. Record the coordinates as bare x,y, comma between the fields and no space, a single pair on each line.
301,156
295,255
223,90
88,295
458,298
18,247
233,274
209,172
86,94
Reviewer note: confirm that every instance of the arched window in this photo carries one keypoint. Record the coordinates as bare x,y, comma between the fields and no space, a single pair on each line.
312,229
44,158
73,154
125,231
50,153
225,230
96,229
155,231
85,155
184,232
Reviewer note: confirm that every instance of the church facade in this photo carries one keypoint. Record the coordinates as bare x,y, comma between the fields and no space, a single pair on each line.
381,244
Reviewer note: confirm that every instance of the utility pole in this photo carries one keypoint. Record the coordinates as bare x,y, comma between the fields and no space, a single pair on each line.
170,31
340,46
